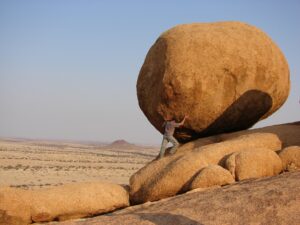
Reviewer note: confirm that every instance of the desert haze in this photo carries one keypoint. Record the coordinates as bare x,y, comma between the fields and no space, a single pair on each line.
34,164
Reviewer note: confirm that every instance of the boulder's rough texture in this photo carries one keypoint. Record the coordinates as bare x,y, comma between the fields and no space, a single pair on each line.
171,175
21,207
77,200
289,134
254,163
212,175
272,200
290,157
226,76
164,178
214,153
14,206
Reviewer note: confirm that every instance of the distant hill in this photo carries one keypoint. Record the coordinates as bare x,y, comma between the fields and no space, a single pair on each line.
121,144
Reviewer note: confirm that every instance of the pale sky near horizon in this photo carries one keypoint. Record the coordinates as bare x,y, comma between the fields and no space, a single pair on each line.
68,68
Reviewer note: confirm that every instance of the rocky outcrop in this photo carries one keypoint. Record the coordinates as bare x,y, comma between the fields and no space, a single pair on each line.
20,207
195,167
226,76
290,157
272,200
253,163
172,175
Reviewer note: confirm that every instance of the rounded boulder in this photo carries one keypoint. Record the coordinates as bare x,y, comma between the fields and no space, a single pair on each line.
290,157
225,76
212,175
253,163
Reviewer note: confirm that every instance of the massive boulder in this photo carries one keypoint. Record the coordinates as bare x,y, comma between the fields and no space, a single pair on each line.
254,163
173,174
226,76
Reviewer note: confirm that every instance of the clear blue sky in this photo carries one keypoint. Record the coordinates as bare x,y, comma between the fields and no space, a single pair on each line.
68,69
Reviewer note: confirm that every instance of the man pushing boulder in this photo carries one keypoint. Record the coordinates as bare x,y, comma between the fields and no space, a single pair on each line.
170,125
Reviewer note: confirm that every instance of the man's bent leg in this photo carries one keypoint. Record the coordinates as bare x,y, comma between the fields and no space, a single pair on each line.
163,147
175,144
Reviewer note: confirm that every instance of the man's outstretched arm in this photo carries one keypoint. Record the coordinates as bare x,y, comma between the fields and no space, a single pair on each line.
182,122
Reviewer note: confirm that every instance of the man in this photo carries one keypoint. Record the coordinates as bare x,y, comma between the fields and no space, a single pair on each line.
170,126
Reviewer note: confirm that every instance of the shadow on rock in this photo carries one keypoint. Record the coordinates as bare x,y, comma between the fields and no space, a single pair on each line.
167,219
242,114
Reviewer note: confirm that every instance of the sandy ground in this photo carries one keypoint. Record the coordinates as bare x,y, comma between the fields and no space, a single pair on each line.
34,164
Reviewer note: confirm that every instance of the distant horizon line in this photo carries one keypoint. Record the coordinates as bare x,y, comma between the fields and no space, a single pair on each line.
79,141
103,143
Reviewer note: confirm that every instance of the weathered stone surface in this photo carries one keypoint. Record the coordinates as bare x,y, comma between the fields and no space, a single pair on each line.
272,200
212,175
70,201
14,206
226,76
171,175
164,178
254,163
290,157
77,200
214,153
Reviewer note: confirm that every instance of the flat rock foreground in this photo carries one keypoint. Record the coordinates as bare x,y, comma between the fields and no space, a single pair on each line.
273,200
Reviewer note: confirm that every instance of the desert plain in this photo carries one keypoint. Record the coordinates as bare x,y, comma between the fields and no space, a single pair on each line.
33,164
